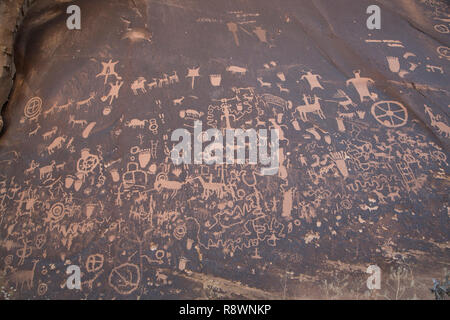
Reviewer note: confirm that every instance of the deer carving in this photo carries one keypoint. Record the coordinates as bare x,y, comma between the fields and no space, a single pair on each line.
23,277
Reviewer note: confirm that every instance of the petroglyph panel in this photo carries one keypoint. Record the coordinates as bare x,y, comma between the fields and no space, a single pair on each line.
87,178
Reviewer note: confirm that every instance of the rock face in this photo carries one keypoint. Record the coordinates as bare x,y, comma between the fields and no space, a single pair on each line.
12,13
87,176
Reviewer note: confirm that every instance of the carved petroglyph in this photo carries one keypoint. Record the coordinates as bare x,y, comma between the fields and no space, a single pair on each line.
92,182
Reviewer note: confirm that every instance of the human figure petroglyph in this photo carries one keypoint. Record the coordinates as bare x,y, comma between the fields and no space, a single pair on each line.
108,70
313,80
361,85
90,282
113,92
25,250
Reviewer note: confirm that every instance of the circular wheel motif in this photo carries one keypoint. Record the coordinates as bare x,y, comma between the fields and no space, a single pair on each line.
444,51
42,289
125,278
180,231
57,212
390,114
33,108
94,262
442,28
88,164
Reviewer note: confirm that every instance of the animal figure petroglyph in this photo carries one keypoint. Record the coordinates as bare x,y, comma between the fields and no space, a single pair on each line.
65,106
56,144
303,110
60,166
139,84
78,122
33,166
164,81
137,34
55,107
86,102
210,188
160,277
47,135
162,182
394,195
50,111
177,102
236,69
347,102
346,115
436,122
153,84
366,207
32,133
191,114
381,197
23,277
174,78
136,123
